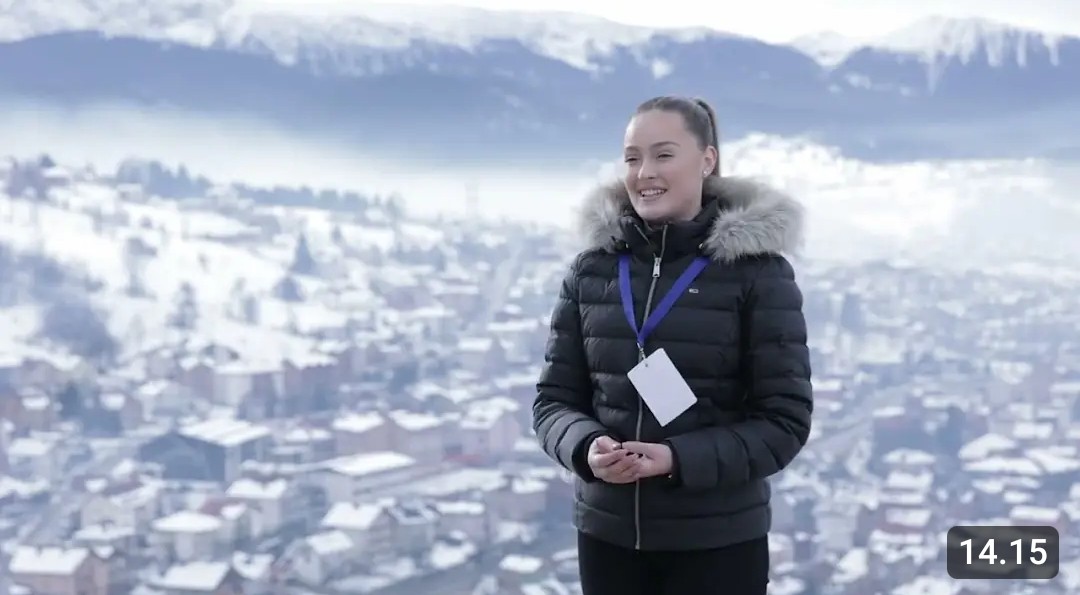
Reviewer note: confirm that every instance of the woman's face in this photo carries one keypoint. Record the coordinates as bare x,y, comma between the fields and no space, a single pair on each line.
665,167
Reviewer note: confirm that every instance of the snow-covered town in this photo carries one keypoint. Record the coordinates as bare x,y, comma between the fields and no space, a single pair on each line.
222,389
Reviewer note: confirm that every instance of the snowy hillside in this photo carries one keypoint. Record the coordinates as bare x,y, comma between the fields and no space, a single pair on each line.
221,272
272,282
937,213
942,39
287,32
827,48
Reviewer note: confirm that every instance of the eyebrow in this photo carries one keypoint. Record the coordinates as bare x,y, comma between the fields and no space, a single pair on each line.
656,145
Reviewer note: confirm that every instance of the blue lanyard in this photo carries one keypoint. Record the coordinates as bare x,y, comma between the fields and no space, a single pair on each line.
665,305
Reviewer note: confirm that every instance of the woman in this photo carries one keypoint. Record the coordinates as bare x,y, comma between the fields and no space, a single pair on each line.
671,494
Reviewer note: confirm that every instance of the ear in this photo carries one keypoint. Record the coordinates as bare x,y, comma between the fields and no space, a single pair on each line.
711,159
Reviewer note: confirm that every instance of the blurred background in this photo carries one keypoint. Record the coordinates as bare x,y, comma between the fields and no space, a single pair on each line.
275,279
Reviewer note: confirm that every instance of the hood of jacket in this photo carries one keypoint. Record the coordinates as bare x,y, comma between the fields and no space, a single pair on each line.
752,218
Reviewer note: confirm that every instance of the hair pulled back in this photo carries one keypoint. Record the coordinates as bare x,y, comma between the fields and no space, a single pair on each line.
698,115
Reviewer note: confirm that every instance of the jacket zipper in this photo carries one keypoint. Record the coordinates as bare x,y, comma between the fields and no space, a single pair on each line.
657,259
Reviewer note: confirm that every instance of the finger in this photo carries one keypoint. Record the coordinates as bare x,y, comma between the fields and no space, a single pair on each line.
609,459
630,475
618,469
606,444
623,466
628,470
643,448
626,477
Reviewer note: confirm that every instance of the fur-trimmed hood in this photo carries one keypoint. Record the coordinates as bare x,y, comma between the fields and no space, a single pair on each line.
752,219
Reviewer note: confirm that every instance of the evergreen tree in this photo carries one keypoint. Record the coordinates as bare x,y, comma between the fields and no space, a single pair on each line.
303,261
71,405
71,321
186,308
288,290
250,309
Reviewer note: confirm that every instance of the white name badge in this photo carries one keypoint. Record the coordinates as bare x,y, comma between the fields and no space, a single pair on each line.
662,387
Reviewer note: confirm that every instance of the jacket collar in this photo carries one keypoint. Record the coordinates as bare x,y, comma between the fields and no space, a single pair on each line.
740,218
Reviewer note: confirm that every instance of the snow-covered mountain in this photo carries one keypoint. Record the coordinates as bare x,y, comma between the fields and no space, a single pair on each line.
287,31
489,84
939,39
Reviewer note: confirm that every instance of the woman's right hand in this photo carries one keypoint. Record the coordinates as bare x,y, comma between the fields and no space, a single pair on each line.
611,463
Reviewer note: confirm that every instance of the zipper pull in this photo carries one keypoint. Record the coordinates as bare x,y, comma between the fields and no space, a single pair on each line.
656,267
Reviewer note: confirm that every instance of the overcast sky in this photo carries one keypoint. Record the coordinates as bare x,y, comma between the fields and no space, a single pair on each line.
780,20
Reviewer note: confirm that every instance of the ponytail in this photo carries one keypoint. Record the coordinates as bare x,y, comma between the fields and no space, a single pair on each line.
714,136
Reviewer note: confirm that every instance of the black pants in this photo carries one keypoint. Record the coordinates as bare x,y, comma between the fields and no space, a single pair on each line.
606,569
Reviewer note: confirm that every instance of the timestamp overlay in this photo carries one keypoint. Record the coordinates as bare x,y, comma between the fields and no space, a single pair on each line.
1002,552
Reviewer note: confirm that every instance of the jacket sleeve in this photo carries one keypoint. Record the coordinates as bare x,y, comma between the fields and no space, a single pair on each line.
779,398
562,412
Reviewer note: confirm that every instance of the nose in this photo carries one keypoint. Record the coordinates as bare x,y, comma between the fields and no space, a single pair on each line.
646,170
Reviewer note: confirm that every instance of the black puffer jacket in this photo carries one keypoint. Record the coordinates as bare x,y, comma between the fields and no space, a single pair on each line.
737,336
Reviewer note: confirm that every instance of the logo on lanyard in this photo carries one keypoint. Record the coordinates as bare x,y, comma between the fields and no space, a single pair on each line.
665,305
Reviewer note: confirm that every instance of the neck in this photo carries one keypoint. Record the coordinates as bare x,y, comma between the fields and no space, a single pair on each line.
682,217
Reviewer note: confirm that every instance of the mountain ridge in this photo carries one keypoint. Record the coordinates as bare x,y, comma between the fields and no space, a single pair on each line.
540,84
235,24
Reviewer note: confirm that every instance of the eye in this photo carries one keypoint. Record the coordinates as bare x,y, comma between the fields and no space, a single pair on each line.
630,159
665,156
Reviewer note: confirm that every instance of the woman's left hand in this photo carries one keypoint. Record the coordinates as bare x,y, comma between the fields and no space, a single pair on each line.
655,459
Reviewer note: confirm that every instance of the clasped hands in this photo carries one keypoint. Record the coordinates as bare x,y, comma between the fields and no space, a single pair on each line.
628,462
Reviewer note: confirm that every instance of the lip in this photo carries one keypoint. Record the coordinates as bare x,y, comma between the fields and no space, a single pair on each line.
643,190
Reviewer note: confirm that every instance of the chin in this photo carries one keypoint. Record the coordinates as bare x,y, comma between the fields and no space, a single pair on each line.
653,212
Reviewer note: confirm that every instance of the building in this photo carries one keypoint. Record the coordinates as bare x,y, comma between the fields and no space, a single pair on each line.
211,450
